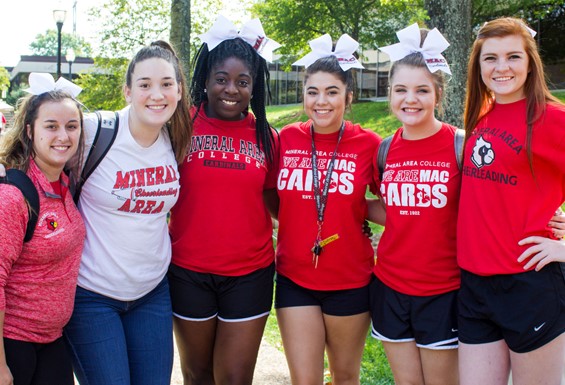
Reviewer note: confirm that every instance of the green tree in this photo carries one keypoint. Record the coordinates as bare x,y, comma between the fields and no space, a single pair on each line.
4,80
370,22
45,44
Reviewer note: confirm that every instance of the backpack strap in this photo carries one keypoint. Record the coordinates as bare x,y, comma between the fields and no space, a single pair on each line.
382,154
108,122
459,141
19,179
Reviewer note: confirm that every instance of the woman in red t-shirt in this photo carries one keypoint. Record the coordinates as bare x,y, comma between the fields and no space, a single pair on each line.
512,296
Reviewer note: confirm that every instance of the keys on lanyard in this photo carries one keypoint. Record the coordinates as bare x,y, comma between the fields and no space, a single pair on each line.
319,247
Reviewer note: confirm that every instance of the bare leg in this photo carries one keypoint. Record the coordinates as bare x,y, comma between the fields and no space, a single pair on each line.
236,349
543,366
303,334
195,342
484,363
345,341
404,361
439,366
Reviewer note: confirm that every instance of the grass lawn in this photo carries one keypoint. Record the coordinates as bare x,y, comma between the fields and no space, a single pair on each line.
375,116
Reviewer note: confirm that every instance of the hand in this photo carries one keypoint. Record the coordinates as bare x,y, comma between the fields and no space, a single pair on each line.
2,173
543,251
367,229
557,223
6,376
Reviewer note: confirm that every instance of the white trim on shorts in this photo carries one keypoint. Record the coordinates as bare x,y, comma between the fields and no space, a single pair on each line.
440,345
194,319
244,319
375,334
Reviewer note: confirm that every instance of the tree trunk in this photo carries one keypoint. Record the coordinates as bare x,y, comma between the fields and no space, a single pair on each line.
180,32
453,19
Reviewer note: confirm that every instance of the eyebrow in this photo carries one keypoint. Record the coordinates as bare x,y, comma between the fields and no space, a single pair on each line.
327,88
505,53
148,78
418,86
226,73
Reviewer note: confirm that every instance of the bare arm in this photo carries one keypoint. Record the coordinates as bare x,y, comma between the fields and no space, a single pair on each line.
271,199
376,211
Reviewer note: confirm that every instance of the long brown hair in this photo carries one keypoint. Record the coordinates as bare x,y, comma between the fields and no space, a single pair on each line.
16,146
480,100
180,125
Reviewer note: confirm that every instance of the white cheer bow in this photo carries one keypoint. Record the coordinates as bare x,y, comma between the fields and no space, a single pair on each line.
40,83
251,32
322,47
409,42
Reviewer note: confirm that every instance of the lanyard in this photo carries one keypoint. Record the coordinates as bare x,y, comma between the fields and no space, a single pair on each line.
321,197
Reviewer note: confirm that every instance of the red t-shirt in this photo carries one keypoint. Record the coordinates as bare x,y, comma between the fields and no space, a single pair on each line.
421,179
345,263
501,201
220,224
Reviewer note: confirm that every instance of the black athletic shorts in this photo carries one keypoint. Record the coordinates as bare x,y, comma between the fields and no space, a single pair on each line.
430,321
202,296
527,310
332,302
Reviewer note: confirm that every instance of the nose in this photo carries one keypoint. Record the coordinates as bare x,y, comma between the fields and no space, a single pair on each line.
410,96
502,65
230,88
62,133
156,93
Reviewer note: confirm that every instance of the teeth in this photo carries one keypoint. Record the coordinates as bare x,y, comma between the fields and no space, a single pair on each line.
229,102
323,112
60,148
156,107
503,78
411,110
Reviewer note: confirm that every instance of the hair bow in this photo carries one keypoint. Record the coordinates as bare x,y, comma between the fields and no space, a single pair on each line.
40,83
322,47
431,50
251,32
531,31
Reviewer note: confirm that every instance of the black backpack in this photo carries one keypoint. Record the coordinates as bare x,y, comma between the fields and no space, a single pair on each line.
19,179
108,122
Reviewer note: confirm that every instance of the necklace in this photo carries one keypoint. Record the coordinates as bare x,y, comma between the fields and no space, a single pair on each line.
321,195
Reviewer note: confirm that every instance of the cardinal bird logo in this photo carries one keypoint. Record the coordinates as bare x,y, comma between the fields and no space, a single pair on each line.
51,223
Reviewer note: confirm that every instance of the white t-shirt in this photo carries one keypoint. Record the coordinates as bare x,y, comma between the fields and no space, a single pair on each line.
124,203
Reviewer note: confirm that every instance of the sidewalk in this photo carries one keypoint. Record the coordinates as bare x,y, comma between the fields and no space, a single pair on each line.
271,367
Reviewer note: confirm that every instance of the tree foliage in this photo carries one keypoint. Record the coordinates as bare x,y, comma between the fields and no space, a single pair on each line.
370,22
45,44
4,79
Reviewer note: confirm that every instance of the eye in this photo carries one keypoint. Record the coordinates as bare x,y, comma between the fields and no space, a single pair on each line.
399,90
73,127
144,85
489,58
168,84
423,91
515,57
220,80
312,93
243,83
51,126
333,92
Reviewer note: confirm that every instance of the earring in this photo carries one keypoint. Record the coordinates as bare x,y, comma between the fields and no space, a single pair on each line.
251,96
205,90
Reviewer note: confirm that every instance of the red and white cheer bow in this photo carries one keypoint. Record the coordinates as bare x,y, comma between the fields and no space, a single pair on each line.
322,47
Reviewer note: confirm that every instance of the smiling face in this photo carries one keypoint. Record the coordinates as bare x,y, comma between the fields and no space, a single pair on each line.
56,136
413,97
504,67
153,95
229,87
325,100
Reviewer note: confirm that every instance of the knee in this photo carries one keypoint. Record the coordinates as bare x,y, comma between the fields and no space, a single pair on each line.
197,377
345,377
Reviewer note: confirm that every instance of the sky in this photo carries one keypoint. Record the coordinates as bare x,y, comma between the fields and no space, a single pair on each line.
22,20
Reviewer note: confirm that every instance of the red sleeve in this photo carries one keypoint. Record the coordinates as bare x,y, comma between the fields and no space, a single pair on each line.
13,211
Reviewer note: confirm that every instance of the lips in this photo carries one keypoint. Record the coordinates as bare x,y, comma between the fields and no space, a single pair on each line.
410,109
157,107
323,112
503,78
229,102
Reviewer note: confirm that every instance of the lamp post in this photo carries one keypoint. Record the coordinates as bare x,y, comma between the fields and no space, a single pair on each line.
59,16
70,56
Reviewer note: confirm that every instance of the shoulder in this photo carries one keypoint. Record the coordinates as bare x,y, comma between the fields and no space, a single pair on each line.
294,128
12,201
364,133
